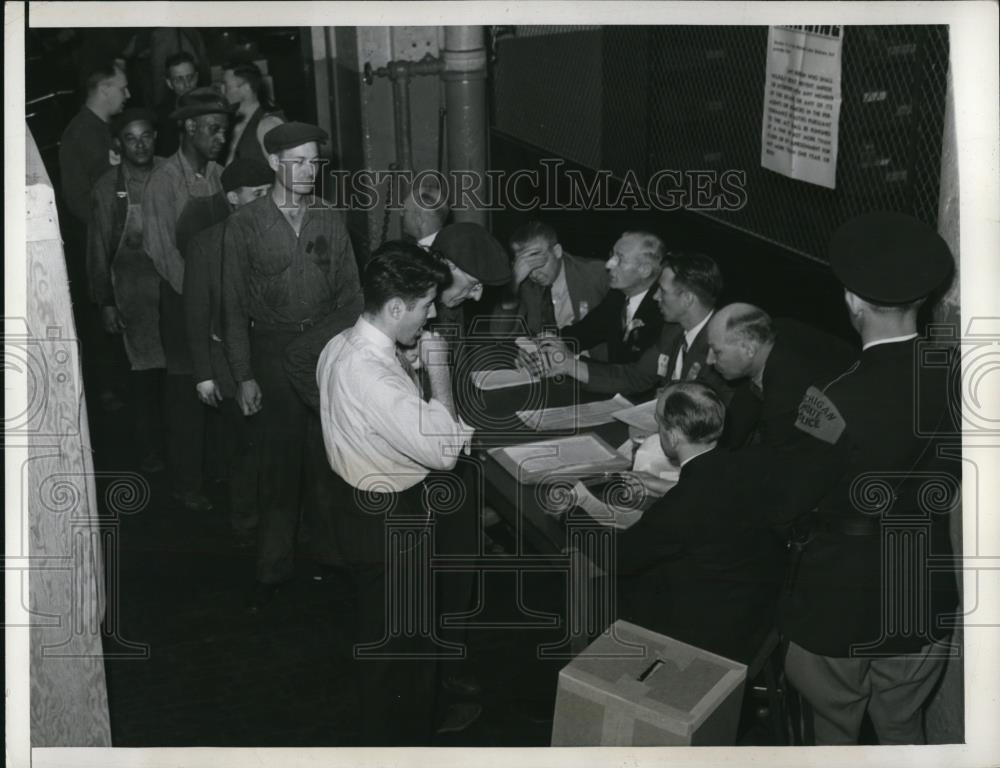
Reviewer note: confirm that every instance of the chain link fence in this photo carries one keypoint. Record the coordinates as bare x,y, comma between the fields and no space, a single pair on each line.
690,98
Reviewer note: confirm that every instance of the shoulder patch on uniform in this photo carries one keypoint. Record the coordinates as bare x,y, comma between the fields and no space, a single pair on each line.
819,417
661,365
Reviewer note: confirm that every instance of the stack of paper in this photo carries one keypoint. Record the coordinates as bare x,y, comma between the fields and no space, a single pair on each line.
573,416
578,456
642,417
502,378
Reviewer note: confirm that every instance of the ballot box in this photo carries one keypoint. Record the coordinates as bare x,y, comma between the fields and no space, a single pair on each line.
633,687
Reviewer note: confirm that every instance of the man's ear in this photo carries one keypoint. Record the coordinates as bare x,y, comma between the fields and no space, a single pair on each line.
749,347
855,304
395,306
190,126
557,250
233,199
274,162
170,85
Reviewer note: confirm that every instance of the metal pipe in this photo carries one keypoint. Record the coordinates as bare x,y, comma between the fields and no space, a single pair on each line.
464,75
401,113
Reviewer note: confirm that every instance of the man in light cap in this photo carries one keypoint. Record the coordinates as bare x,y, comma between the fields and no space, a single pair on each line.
288,264
867,617
243,181
184,197
123,281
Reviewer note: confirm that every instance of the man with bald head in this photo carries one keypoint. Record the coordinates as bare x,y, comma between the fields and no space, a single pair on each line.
771,363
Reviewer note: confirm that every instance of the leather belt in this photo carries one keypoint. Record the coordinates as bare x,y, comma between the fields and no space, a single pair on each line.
299,327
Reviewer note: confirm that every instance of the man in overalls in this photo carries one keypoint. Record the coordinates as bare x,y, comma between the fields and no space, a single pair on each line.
243,181
185,196
288,265
123,280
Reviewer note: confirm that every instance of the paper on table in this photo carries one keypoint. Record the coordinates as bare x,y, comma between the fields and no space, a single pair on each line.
573,416
577,451
649,457
502,378
642,417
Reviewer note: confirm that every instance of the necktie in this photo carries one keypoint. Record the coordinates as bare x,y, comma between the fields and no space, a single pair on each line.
548,309
409,370
625,329
681,354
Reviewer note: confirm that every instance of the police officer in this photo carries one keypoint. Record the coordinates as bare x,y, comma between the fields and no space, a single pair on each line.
866,615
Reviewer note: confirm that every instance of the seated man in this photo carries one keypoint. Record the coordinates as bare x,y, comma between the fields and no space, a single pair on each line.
688,289
701,565
554,288
390,445
628,321
779,360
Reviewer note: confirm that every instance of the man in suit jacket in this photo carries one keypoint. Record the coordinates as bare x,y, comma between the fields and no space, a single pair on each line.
777,360
628,321
688,289
699,566
554,288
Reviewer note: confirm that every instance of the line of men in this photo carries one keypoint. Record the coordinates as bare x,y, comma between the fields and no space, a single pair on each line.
249,300
772,424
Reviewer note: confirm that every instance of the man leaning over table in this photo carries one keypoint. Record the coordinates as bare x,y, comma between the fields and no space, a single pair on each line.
392,447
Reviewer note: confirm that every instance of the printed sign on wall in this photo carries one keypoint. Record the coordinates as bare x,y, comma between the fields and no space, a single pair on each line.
802,103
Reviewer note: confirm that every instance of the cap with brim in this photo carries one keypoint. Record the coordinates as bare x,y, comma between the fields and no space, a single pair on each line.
246,172
201,101
131,115
889,258
475,251
288,135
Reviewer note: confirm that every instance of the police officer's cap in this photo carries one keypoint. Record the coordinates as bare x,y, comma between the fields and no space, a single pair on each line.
201,101
131,115
889,258
246,172
288,135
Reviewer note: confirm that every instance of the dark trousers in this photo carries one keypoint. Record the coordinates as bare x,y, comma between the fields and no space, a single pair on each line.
97,348
386,540
293,473
458,535
185,432
232,441
146,401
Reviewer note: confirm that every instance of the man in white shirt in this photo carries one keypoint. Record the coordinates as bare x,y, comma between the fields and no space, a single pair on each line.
392,447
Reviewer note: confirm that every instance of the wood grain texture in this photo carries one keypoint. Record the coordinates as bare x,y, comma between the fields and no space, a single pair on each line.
69,703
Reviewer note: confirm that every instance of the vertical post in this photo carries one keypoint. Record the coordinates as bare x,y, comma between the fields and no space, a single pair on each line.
465,96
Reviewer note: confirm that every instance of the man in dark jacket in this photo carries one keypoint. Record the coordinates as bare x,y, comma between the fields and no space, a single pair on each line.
699,565
243,181
776,360
873,597
628,321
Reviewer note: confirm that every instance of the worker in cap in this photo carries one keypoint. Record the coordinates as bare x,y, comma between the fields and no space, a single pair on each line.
184,197
123,281
866,615
243,181
289,268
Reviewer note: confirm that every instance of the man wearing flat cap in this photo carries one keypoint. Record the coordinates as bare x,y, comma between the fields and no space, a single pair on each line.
288,265
184,197
867,616
243,182
123,280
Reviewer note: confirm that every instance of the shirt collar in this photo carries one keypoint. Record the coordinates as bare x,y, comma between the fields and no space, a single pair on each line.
559,285
890,340
377,337
633,302
692,458
692,334
427,241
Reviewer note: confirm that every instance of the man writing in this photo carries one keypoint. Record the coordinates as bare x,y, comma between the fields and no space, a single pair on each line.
184,196
288,266
389,445
688,289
